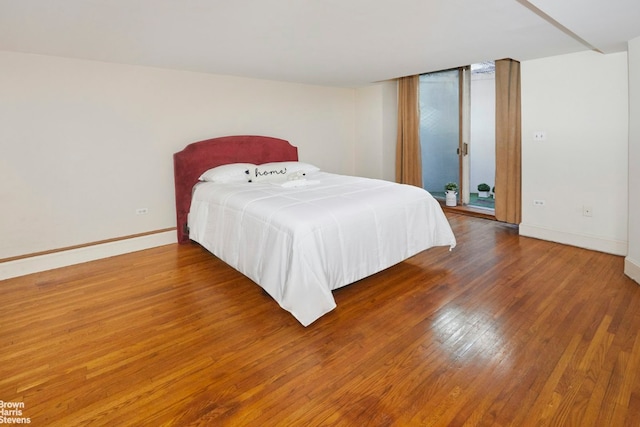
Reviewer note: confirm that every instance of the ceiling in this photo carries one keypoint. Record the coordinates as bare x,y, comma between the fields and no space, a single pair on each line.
346,43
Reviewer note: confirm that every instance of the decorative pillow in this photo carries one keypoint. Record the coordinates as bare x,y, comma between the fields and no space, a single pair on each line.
233,172
279,171
268,173
293,166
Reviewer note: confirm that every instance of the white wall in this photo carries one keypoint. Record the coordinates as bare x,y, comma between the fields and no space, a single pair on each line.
581,102
632,261
84,144
376,124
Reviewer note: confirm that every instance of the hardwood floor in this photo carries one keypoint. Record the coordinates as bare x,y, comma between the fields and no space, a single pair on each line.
502,331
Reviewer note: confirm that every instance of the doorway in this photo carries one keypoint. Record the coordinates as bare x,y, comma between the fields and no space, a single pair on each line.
457,133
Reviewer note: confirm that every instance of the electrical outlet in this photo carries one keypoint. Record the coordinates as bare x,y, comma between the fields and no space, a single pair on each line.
142,211
538,202
539,135
587,211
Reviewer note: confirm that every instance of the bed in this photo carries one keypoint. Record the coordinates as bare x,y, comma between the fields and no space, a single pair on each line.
295,230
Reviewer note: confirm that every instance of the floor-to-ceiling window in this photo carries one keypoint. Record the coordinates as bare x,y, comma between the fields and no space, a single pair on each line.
457,132
439,129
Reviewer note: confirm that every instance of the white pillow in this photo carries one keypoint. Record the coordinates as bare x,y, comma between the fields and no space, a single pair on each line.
233,172
293,166
279,171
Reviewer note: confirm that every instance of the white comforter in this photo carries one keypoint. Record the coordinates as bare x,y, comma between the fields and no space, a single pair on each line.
300,241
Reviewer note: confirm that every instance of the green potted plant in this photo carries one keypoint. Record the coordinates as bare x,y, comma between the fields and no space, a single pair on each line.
450,190
483,190
451,186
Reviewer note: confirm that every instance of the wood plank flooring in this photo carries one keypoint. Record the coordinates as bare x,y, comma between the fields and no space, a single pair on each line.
502,331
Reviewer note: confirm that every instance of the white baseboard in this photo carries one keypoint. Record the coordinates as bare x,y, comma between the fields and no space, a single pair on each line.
632,269
615,247
35,264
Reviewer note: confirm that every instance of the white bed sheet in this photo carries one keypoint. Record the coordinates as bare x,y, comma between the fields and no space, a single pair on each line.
301,242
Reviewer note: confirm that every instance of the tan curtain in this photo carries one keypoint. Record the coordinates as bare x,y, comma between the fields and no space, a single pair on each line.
508,142
408,164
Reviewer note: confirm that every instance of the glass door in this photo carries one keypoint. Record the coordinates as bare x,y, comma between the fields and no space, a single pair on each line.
440,130
457,118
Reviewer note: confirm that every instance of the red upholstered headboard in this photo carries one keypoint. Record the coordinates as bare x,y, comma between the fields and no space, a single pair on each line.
199,157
